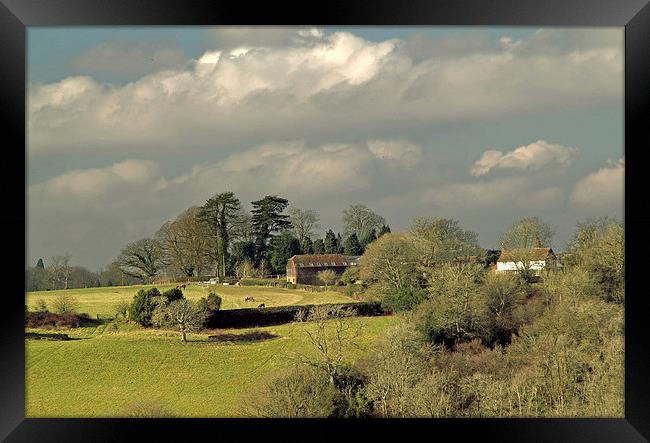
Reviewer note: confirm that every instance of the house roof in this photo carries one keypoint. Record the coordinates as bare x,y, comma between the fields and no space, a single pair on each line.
513,255
320,260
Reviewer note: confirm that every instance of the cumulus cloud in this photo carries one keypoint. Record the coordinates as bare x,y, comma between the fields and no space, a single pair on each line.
320,85
84,184
529,157
601,191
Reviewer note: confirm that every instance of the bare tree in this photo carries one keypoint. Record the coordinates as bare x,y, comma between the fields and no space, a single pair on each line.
361,220
186,243
304,222
142,259
65,304
441,239
332,331
185,315
327,276
527,233
59,270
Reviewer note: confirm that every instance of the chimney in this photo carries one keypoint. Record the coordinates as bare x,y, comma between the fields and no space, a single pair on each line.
538,242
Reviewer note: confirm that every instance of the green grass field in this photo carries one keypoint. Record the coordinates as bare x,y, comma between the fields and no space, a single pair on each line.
108,368
95,301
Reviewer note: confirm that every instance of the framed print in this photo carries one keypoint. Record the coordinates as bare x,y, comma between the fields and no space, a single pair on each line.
392,220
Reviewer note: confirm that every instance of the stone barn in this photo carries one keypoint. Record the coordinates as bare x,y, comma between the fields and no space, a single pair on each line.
304,269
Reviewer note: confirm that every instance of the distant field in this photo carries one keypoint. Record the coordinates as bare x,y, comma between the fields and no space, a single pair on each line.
95,301
115,365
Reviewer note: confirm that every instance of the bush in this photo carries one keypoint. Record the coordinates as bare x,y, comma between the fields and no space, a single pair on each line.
350,276
245,318
65,304
41,306
121,308
53,320
210,304
173,294
143,305
304,392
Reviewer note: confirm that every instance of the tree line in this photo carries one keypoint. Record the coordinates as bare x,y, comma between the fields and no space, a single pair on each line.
220,239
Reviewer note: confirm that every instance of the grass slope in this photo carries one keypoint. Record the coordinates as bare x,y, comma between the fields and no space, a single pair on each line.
110,367
95,301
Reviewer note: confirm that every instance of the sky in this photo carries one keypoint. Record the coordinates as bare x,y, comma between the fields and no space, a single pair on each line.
129,126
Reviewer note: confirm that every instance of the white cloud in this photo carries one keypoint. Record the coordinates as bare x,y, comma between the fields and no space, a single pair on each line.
321,85
86,184
601,191
529,157
404,151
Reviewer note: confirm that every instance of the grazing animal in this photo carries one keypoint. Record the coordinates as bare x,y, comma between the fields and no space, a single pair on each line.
249,298
261,306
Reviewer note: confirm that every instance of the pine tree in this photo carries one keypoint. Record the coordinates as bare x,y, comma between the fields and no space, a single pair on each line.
352,245
319,246
268,217
307,246
40,264
339,243
218,213
330,243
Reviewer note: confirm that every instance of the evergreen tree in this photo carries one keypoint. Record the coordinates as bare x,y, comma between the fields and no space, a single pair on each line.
40,264
281,248
339,243
307,246
218,213
319,246
385,229
268,217
330,243
369,239
352,245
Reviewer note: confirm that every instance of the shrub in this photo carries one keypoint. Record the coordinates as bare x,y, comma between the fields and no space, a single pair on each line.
210,304
41,306
350,276
304,392
121,308
245,318
143,305
53,320
173,294
65,304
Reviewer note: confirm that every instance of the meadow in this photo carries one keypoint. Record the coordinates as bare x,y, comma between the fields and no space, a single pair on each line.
108,369
93,301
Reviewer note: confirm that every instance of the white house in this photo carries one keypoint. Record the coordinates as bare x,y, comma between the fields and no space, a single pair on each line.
536,260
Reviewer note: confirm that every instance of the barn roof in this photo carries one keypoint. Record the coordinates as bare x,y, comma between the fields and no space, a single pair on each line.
320,260
512,255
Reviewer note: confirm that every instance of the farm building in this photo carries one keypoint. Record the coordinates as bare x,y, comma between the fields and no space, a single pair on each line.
537,259
304,269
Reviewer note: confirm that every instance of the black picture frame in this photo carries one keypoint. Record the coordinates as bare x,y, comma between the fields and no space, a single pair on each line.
16,15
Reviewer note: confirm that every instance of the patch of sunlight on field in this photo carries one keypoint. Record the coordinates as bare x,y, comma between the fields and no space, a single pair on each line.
107,368
101,301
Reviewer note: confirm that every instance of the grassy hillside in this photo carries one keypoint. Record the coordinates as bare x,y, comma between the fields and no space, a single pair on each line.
111,367
101,300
